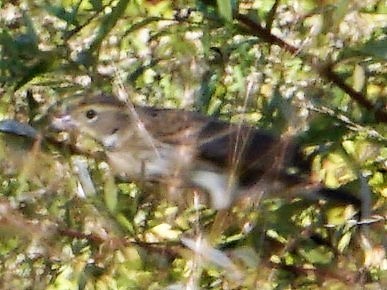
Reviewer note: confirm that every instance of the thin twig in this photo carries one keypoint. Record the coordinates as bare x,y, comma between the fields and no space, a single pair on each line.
323,69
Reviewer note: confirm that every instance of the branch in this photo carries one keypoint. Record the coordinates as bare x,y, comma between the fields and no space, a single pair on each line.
170,248
325,71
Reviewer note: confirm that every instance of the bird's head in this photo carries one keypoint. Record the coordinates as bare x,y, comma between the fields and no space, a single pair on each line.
101,117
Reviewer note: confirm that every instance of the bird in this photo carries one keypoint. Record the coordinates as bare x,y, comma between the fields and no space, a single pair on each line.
187,149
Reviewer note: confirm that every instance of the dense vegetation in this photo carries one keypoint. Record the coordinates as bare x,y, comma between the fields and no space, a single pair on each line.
313,69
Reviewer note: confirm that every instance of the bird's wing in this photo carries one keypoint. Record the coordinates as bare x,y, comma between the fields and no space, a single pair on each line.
247,151
172,126
241,149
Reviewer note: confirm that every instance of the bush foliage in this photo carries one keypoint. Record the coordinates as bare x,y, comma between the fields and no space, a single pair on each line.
314,69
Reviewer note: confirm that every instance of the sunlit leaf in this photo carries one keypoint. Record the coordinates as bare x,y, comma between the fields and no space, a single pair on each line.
359,78
225,8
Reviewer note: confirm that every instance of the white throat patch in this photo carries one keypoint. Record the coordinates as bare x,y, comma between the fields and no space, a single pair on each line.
110,142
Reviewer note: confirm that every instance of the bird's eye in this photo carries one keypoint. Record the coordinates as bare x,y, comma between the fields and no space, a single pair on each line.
91,114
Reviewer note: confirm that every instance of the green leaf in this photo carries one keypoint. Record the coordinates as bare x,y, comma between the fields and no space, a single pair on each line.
41,67
359,78
376,48
97,4
319,255
108,22
61,13
110,193
225,9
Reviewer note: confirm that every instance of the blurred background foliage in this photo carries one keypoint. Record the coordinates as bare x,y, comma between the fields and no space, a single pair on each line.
314,69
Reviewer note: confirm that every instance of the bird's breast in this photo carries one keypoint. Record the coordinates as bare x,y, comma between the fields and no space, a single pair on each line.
151,163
